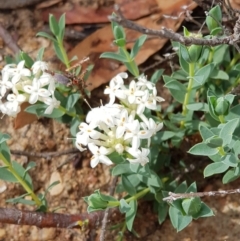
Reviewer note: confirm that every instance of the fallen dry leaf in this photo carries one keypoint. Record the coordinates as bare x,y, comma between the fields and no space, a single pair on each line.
78,14
101,41
23,118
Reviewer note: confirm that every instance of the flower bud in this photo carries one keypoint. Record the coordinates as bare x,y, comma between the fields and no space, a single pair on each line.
194,52
222,106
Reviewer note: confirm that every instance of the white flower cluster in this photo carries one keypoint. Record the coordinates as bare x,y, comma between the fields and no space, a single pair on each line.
121,127
20,84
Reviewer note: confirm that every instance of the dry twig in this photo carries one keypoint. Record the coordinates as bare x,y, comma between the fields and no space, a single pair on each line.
46,155
175,196
169,34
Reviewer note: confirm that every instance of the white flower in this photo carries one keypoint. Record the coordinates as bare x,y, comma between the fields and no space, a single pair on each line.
10,108
114,91
5,83
134,132
16,98
18,72
143,82
151,126
35,91
99,155
52,103
156,98
141,156
39,65
118,79
133,92
47,79
87,131
103,114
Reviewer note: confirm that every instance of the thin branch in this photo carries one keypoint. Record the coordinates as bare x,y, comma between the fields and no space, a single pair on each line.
46,154
168,33
47,220
175,196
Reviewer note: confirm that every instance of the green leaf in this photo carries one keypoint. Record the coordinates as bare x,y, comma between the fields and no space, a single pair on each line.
203,149
177,89
115,56
5,152
192,188
163,136
22,173
198,107
203,74
61,25
179,221
156,76
215,168
118,32
162,212
204,212
121,169
120,42
38,110
153,180
230,160
230,176
46,35
227,130
58,52
40,53
116,158
75,122
205,132
21,199
53,24
137,45
4,137
127,185
132,68
72,100
130,215
214,18
124,207
214,141
7,175
183,51
28,60
30,165
191,206
219,74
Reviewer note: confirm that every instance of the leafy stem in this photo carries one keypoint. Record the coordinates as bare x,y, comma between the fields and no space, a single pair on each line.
128,200
21,180
187,95
63,52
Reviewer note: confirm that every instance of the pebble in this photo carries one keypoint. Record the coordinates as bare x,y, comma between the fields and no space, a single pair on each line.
57,189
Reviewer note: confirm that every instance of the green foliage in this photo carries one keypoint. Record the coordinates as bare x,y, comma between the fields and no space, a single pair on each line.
201,105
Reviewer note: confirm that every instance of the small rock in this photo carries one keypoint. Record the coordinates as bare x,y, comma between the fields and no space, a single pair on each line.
57,189
48,234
